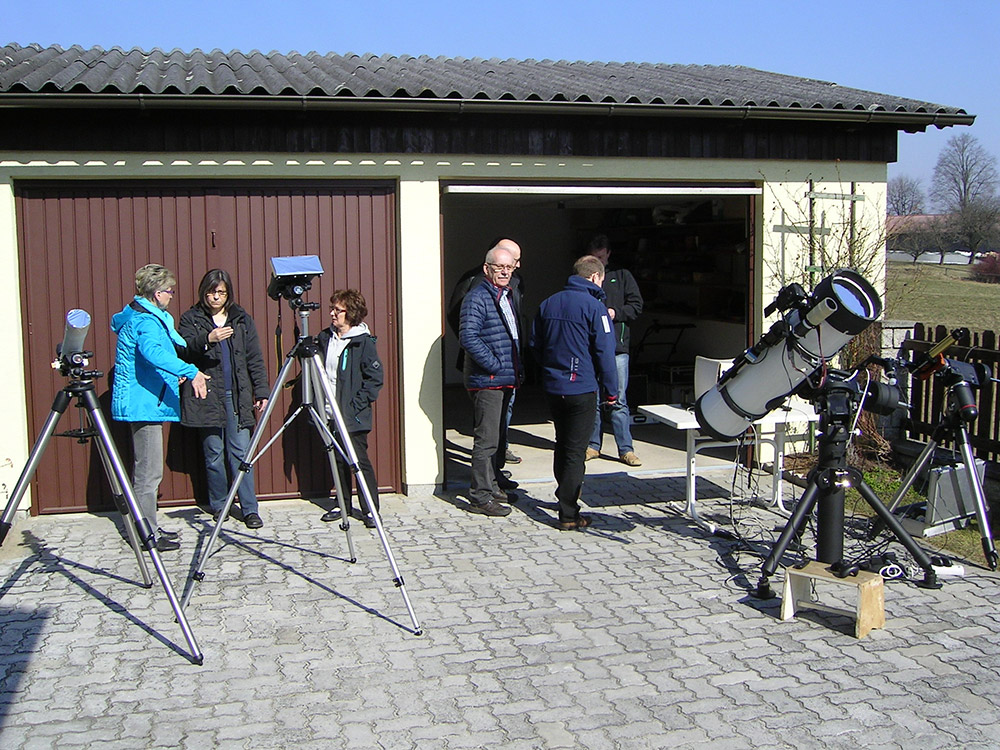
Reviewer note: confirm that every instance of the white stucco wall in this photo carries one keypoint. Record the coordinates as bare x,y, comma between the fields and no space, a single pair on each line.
784,184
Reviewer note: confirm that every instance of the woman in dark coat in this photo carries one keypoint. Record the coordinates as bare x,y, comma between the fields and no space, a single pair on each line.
222,340
355,373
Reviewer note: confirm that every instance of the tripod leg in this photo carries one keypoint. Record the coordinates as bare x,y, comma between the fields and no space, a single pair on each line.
982,511
250,458
792,528
146,533
119,497
911,476
363,491
59,405
896,527
331,447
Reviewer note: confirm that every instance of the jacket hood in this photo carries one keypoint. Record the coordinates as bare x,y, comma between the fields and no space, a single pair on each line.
580,284
120,319
361,329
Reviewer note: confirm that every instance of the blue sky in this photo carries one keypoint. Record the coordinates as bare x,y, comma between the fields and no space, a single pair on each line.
933,51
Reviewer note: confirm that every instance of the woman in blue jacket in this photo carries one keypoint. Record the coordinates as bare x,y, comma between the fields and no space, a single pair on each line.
146,385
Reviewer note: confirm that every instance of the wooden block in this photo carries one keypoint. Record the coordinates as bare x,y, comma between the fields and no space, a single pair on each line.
869,612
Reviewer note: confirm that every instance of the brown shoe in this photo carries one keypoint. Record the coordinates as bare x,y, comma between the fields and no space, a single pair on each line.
631,459
580,522
591,453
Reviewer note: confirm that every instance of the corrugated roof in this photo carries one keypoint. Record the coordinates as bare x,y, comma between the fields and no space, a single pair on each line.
76,71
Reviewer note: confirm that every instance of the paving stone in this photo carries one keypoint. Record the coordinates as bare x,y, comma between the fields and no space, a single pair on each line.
637,633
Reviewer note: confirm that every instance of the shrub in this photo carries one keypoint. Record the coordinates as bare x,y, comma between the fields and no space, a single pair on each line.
987,269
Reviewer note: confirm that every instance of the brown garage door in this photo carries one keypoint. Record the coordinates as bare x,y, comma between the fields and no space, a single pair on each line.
79,246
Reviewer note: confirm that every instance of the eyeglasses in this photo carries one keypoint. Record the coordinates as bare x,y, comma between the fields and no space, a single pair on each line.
166,291
217,293
338,311
499,268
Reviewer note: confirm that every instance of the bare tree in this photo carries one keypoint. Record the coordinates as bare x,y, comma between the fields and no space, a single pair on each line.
904,196
965,173
964,187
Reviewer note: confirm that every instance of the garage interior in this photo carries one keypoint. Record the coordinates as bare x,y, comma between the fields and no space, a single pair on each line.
691,251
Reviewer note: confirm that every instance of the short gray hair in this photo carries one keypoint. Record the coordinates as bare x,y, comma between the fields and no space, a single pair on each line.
153,278
491,256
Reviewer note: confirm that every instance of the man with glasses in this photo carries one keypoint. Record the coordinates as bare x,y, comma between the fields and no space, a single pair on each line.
472,278
490,334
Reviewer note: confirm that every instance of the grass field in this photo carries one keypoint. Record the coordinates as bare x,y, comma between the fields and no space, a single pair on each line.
941,295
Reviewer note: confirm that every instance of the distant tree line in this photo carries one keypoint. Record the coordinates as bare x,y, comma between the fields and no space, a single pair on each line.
965,196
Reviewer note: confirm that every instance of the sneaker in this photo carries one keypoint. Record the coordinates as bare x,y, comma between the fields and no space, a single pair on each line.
490,508
330,516
169,545
631,459
164,534
510,458
253,521
591,454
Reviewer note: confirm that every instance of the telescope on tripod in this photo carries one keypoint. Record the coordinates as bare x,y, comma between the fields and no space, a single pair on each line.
960,410
72,361
794,358
291,278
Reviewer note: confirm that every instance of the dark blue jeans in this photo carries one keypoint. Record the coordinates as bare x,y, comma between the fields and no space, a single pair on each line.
224,446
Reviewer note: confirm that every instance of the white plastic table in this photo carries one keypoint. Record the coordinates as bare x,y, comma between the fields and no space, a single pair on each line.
771,429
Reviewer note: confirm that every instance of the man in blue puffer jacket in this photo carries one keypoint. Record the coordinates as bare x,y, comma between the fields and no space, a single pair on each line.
575,346
146,387
489,333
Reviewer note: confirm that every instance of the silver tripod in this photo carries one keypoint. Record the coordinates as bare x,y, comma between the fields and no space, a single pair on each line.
959,410
314,381
137,528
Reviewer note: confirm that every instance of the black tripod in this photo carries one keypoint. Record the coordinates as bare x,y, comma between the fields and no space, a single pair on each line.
139,532
960,409
314,380
836,402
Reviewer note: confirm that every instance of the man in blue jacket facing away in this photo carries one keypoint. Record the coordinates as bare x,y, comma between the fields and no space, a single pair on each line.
489,333
575,345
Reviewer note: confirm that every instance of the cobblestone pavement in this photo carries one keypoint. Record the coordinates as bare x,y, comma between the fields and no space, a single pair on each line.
637,633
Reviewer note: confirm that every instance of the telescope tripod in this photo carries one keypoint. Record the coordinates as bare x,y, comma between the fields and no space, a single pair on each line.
825,486
138,530
314,380
952,429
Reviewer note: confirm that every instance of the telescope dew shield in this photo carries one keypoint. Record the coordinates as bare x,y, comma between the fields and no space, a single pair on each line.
842,306
75,336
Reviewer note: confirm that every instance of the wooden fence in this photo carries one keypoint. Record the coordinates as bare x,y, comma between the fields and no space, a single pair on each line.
927,397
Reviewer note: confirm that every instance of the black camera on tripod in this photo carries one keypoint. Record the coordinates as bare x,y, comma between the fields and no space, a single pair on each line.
292,277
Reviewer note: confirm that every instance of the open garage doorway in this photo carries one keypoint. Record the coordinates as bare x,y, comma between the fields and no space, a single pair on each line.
691,250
